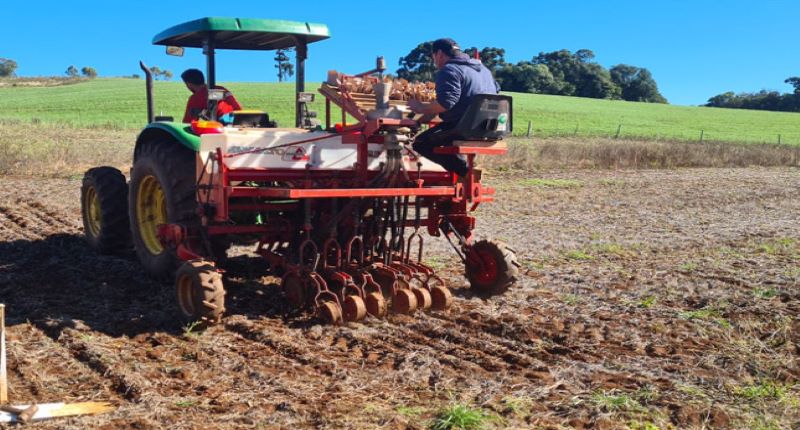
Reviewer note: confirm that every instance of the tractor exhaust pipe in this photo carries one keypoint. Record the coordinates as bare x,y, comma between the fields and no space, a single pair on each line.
149,84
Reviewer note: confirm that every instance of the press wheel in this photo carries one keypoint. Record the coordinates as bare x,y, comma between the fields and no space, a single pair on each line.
353,308
442,298
423,297
330,312
404,301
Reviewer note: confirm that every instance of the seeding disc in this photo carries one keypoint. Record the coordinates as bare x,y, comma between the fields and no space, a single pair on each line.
376,305
442,298
331,313
404,301
354,308
423,296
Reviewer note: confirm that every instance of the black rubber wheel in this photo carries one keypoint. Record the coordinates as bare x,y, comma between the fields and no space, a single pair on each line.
491,267
162,191
200,293
104,206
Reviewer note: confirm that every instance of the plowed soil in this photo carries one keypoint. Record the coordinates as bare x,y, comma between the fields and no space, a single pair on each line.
647,299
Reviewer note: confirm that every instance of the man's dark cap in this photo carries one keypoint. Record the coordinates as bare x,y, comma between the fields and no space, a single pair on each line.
446,45
193,76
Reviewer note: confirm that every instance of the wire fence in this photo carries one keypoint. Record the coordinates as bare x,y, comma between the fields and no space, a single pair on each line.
660,133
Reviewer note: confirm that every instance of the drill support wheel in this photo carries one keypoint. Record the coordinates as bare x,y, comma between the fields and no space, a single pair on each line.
200,293
491,267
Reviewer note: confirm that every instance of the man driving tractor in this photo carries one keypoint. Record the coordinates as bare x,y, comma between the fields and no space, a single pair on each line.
458,79
198,102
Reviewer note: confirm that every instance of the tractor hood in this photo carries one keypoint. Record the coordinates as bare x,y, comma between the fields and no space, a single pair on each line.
242,33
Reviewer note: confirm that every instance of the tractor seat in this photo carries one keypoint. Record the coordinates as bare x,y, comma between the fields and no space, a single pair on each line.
252,118
481,129
488,117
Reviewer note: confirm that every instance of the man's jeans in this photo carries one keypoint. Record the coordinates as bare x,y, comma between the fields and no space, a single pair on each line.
441,135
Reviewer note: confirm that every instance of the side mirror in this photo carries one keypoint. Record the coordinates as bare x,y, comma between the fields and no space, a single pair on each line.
175,51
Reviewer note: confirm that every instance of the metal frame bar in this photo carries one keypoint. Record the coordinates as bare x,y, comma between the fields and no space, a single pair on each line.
295,193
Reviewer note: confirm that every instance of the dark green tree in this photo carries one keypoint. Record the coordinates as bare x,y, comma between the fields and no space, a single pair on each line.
795,82
7,67
155,71
284,65
726,100
527,77
578,75
491,57
71,71
418,64
594,81
89,72
637,84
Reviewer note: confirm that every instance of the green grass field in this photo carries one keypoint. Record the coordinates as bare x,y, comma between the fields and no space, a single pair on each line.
120,104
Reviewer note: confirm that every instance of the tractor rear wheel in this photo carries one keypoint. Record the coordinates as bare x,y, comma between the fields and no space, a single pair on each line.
162,191
491,267
201,295
104,206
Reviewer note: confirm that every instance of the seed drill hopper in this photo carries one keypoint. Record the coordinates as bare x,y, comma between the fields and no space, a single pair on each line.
340,211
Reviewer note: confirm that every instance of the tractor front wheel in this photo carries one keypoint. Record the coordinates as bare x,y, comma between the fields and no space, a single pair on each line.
201,295
104,206
491,267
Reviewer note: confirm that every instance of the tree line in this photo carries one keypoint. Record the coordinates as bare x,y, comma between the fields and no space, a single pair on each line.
762,100
561,73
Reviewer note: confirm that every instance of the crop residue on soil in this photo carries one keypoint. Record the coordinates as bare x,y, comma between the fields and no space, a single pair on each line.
649,298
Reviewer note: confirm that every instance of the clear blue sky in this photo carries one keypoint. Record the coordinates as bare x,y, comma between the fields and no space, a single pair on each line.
695,49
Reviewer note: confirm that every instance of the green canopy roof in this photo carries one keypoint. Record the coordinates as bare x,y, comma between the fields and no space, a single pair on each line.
242,33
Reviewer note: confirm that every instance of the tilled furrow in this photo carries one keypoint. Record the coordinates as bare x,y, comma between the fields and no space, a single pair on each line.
84,348
474,341
18,226
48,370
413,360
248,330
61,222
460,353
521,346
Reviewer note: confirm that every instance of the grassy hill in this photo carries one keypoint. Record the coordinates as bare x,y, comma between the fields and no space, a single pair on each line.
120,104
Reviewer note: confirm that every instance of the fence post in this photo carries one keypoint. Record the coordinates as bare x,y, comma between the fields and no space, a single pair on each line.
619,127
701,135
779,139
530,124
3,376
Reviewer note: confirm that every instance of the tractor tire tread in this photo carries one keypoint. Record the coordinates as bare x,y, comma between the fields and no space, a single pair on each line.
173,165
112,192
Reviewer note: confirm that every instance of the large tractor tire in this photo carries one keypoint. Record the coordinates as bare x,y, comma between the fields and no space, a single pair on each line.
162,191
491,267
104,206
201,295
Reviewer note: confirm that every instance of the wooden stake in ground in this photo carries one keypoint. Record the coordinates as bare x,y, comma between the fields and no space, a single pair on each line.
44,411
3,375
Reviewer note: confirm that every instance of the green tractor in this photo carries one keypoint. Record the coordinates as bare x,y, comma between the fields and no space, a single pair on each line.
327,206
